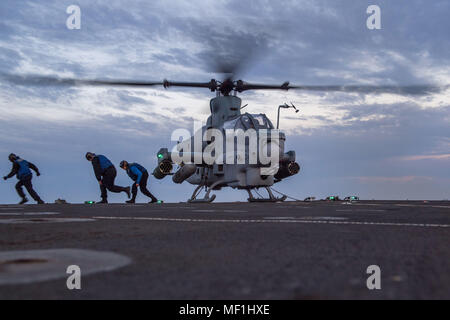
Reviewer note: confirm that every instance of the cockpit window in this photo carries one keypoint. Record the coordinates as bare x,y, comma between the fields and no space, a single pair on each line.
249,121
230,124
261,121
269,123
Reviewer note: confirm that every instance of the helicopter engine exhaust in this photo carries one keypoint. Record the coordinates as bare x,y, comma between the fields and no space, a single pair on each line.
287,169
163,169
184,173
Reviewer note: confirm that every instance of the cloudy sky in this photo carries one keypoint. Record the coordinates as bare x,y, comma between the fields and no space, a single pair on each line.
380,146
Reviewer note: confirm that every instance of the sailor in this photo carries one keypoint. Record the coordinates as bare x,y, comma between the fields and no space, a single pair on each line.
139,175
106,173
21,168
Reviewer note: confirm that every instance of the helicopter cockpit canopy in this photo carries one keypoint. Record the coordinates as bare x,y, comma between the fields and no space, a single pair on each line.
249,121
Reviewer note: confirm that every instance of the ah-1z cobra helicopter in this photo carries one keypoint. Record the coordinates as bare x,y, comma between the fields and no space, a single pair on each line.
226,113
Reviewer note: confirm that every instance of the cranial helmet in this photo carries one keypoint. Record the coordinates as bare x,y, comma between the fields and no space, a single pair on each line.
12,157
123,164
90,155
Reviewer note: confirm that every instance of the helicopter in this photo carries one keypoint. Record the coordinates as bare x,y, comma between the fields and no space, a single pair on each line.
226,115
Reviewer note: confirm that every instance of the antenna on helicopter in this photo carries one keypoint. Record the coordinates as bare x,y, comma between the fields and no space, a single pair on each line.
285,106
296,110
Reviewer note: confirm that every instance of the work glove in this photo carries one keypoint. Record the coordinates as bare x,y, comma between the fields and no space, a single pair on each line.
5,178
38,174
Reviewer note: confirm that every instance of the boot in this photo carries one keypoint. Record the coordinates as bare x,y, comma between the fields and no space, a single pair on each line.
24,200
40,202
130,201
104,201
128,192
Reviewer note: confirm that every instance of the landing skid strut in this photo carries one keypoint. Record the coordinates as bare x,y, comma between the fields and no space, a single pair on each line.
206,198
271,197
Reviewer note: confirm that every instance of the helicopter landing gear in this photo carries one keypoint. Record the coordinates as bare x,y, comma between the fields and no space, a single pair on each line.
206,198
271,197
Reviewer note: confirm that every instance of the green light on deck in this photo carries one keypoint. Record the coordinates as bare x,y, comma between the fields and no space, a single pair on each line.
159,202
331,198
160,156
89,202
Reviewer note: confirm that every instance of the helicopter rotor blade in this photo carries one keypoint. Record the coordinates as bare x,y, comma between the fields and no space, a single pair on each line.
212,85
244,86
56,81
394,89
232,54
365,89
34,80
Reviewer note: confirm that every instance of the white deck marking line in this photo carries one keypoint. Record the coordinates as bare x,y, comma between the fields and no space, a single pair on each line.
394,224
219,211
306,218
362,210
27,213
43,220
293,207
409,205
422,206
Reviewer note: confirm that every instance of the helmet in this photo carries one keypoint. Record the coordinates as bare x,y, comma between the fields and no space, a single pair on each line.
12,157
123,164
90,155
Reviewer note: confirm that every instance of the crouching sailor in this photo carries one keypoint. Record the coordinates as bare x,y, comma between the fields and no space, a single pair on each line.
139,175
106,173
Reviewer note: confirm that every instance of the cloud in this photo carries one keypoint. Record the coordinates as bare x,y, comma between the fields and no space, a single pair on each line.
405,179
427,157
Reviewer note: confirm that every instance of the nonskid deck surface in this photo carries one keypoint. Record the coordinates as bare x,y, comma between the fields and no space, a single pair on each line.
290,250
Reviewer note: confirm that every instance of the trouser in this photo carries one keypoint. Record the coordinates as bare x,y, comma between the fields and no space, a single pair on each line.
108,183
29,186
143,187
